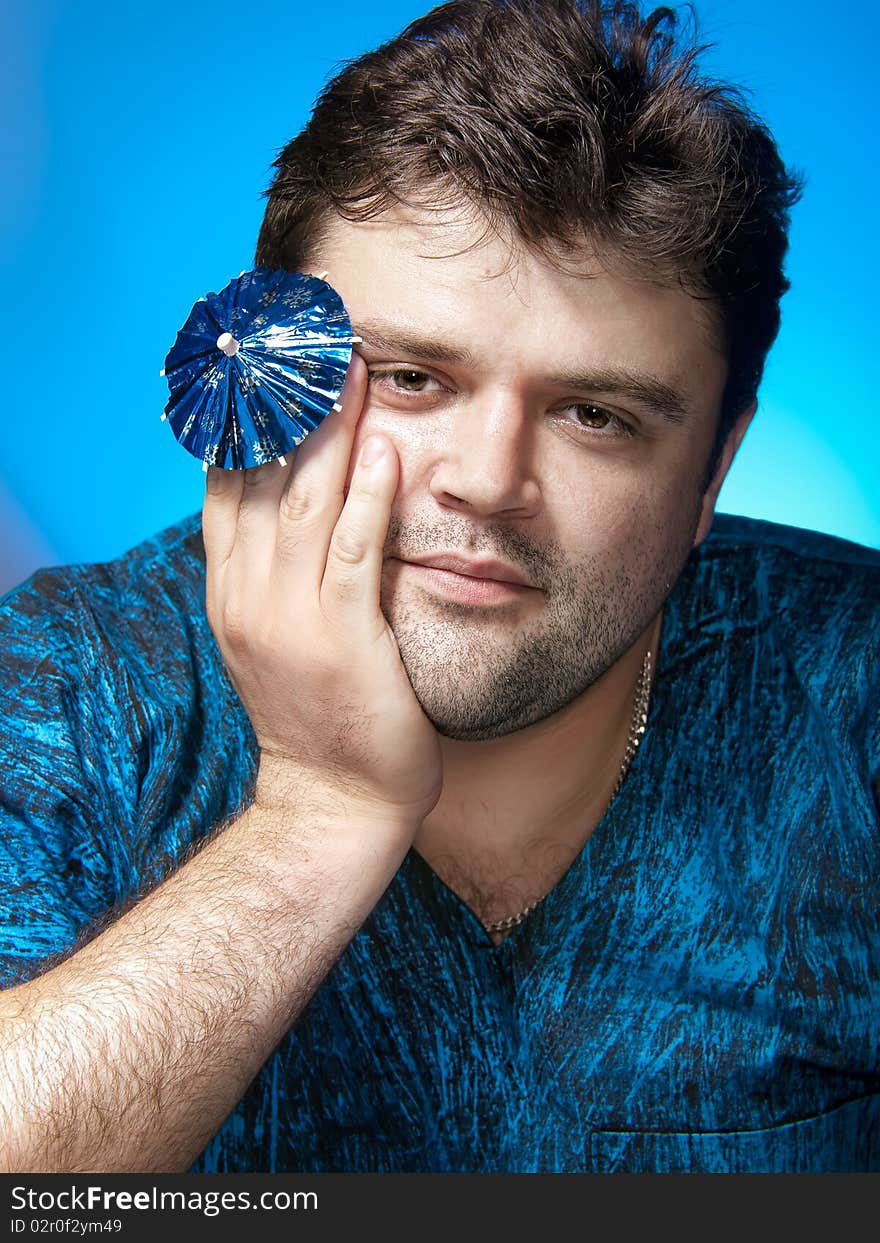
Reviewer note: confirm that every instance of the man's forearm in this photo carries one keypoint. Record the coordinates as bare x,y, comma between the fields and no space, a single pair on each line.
129,1055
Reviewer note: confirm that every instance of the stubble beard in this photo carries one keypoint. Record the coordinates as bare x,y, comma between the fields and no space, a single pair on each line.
480,674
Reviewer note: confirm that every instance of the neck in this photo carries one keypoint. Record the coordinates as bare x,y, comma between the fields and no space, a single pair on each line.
537,793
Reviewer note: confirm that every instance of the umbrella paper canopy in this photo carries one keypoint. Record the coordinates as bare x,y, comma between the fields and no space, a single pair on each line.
257,367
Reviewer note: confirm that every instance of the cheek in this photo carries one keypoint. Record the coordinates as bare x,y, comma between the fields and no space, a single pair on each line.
618,512
402,434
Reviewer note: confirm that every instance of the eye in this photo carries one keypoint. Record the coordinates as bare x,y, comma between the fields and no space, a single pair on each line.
591,418
406,380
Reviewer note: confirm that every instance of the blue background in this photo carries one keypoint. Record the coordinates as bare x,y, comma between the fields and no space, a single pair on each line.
134,146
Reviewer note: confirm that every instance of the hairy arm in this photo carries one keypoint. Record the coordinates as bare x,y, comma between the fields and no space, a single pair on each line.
130,1054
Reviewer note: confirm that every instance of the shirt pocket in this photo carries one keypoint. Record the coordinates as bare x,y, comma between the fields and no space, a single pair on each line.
841,1140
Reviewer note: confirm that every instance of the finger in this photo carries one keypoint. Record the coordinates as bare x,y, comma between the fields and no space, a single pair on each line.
312,502
223,490
329,445
257,530
352,579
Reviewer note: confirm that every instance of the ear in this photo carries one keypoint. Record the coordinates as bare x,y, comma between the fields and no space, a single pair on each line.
728,453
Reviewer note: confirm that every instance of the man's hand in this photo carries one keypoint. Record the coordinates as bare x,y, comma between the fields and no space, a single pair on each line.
293,578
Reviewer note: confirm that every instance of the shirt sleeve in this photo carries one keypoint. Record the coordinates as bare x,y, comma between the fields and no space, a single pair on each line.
54,878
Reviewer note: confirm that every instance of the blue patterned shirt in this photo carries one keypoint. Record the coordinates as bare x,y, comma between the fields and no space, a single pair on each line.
699,992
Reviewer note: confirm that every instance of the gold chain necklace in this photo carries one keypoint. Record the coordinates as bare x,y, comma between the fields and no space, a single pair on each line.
636,730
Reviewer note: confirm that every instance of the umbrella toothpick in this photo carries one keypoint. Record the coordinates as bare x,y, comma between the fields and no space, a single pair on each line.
294,336
228,344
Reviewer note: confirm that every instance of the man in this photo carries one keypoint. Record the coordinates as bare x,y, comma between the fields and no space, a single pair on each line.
511,815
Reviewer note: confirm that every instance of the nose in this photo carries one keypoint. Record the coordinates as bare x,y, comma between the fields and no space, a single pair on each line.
484,460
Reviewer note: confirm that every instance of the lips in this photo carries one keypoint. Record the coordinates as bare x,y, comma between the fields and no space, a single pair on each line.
499,571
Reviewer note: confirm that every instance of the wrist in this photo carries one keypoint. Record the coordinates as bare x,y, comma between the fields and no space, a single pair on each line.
288,790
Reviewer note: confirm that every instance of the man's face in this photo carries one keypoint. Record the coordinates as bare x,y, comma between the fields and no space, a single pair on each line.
558,423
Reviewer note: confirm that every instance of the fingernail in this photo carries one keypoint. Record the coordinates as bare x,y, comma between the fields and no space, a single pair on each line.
372,451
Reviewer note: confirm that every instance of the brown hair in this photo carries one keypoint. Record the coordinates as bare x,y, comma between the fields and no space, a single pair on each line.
573,122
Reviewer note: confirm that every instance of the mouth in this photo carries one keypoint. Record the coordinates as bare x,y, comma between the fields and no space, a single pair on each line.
467,586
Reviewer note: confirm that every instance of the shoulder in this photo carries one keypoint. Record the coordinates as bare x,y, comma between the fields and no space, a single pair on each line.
165,570
809,599
788,547
765,571
106,660
142,598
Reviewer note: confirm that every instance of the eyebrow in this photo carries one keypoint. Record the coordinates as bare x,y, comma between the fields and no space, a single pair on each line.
398,339
650,391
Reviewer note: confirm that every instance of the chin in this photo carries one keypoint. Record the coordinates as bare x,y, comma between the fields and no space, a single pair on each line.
467,712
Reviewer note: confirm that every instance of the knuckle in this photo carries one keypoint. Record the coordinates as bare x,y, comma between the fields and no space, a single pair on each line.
233,624
298,505
347,547
257,477
268,638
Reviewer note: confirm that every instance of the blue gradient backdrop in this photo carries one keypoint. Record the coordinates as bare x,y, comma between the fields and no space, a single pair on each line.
134,146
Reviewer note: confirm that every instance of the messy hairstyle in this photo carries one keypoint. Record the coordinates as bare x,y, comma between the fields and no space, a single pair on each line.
578,124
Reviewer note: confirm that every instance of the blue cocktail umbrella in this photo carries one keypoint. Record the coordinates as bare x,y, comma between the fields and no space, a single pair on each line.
257,367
